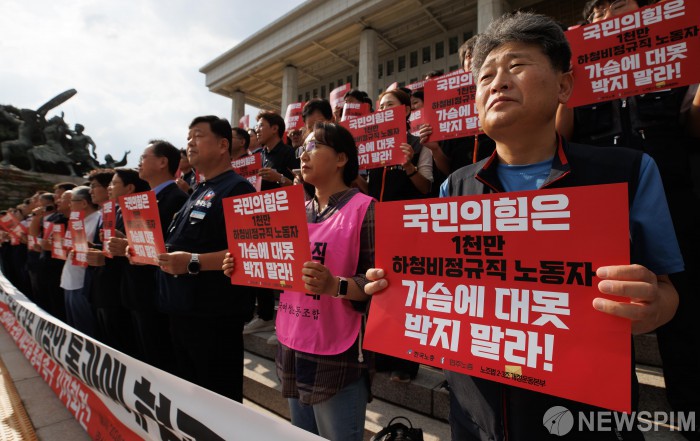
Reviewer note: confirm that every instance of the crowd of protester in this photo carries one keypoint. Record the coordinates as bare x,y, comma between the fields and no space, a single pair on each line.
184,317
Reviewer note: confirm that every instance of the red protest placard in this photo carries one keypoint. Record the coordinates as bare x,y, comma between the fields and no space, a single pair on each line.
418,85
337,95
379,137
248,167
415,120
450,106
58,250
13,226
244,122
649,49
268,238
109,220
293,119
501,287
78,238
354,110
142,225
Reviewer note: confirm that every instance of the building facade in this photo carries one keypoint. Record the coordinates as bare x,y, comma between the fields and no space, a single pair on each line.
323,44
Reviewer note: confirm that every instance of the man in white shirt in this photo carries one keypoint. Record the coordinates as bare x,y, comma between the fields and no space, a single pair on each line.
78,310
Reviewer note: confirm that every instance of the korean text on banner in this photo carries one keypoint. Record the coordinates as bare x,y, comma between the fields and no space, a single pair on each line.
12,225
450,106
650,49
337,95
415,120
379,136
354,110
293,119
109,220
268,238
142,225
501,287
76,225
248,167
58,250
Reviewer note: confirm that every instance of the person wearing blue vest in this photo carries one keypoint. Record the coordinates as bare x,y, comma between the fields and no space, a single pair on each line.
522,68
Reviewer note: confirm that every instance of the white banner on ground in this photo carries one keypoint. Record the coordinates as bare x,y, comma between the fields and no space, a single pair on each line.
116,397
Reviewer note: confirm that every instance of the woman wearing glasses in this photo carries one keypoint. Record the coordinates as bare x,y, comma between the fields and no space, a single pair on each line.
324,373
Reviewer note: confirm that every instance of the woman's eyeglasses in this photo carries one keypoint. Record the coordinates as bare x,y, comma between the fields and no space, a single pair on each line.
308,148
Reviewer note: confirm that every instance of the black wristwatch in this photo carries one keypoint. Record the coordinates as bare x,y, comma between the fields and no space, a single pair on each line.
342,287
194,267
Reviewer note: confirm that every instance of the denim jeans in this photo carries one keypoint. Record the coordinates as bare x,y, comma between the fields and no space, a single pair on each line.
340,418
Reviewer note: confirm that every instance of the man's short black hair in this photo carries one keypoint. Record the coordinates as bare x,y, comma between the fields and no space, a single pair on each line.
219,127
273,119
433,74
317,105
419,94
131,176
163,149
183,152
524,27
103,176
243,133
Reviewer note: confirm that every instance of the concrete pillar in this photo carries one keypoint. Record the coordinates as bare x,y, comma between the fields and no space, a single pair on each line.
489,10
290,82
237,107
368,62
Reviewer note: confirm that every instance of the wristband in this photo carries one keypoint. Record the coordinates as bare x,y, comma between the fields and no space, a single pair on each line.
410,175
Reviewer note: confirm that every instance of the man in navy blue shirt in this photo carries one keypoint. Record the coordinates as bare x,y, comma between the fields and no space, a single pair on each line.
206,312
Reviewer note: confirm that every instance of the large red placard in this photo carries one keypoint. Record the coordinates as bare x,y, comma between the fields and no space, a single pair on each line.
647,50
501,287
142,225
293,119
268,238
76,225
379,136
450,106
58,251
337,95
248,167
109,220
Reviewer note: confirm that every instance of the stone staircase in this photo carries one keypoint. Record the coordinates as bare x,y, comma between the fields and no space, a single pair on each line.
424,401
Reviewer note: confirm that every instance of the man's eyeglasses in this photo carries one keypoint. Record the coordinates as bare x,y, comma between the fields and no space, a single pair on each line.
599,13
308,148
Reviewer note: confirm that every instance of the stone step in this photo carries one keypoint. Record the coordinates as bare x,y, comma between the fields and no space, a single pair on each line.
425,394
261,386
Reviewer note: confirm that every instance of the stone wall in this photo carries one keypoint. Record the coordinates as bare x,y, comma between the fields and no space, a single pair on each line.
17,185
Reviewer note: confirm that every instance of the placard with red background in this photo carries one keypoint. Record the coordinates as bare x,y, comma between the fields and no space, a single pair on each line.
501,287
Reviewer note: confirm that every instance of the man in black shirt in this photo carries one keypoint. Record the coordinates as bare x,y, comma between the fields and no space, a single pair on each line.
206,312
278,158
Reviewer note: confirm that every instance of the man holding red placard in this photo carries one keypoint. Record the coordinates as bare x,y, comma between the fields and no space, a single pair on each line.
522,68
661,123
78,308
206,312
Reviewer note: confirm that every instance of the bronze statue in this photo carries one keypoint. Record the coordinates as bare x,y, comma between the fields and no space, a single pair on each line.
79,151
42,145
111,163
53,152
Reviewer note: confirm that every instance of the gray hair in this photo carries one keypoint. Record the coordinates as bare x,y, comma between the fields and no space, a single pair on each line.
524,27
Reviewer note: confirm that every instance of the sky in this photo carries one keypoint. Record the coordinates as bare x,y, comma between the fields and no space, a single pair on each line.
135,64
